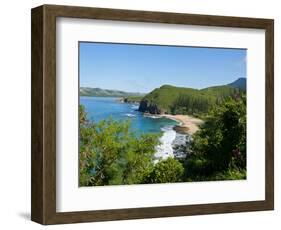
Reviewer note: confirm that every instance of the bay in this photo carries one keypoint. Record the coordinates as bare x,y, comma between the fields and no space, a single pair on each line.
100,108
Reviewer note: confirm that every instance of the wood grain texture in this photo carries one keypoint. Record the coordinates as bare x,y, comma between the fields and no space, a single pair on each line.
43,207
269,116
43,163
37,115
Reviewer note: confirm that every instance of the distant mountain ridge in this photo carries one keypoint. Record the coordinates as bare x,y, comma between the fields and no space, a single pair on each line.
98,92
239,83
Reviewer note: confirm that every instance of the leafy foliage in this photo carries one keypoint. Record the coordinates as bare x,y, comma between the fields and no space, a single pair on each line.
220,146
111,154
191,104
167,171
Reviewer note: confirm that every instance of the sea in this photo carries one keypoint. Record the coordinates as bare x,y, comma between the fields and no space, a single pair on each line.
100,108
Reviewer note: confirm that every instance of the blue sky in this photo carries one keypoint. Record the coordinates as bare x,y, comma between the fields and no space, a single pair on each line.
141,68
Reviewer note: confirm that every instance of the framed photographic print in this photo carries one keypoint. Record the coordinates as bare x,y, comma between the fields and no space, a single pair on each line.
140,114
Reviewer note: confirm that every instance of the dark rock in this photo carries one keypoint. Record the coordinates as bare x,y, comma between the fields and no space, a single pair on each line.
181,146
148,107
181,129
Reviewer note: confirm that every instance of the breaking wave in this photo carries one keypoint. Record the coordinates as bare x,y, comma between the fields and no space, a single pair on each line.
165,148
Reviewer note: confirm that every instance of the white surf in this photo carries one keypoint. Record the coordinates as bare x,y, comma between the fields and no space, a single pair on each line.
165,149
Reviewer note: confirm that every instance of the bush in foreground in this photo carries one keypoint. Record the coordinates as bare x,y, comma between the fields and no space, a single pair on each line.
111,154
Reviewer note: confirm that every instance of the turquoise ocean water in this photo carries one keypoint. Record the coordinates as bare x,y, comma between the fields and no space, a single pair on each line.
99,108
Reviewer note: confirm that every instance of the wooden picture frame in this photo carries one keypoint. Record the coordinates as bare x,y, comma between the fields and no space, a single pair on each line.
43,202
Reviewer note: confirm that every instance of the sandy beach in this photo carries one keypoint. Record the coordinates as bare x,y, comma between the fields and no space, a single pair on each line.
189,125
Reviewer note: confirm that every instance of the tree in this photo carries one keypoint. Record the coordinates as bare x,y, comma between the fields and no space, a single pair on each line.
82,116
112,154
192,104
220,145
167,171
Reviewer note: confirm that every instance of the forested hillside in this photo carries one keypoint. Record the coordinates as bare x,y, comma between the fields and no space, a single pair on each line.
178,100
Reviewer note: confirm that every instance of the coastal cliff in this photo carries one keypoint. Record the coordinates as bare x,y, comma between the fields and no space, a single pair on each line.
148,107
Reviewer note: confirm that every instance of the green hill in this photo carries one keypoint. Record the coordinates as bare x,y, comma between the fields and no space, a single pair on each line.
239,83
178,100
132,99
98,92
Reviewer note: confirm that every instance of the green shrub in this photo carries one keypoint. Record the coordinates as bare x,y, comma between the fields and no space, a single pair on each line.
219,147
111,154
167,171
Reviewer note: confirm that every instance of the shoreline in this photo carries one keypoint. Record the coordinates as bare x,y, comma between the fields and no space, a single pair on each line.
188,124
173,142
175,137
